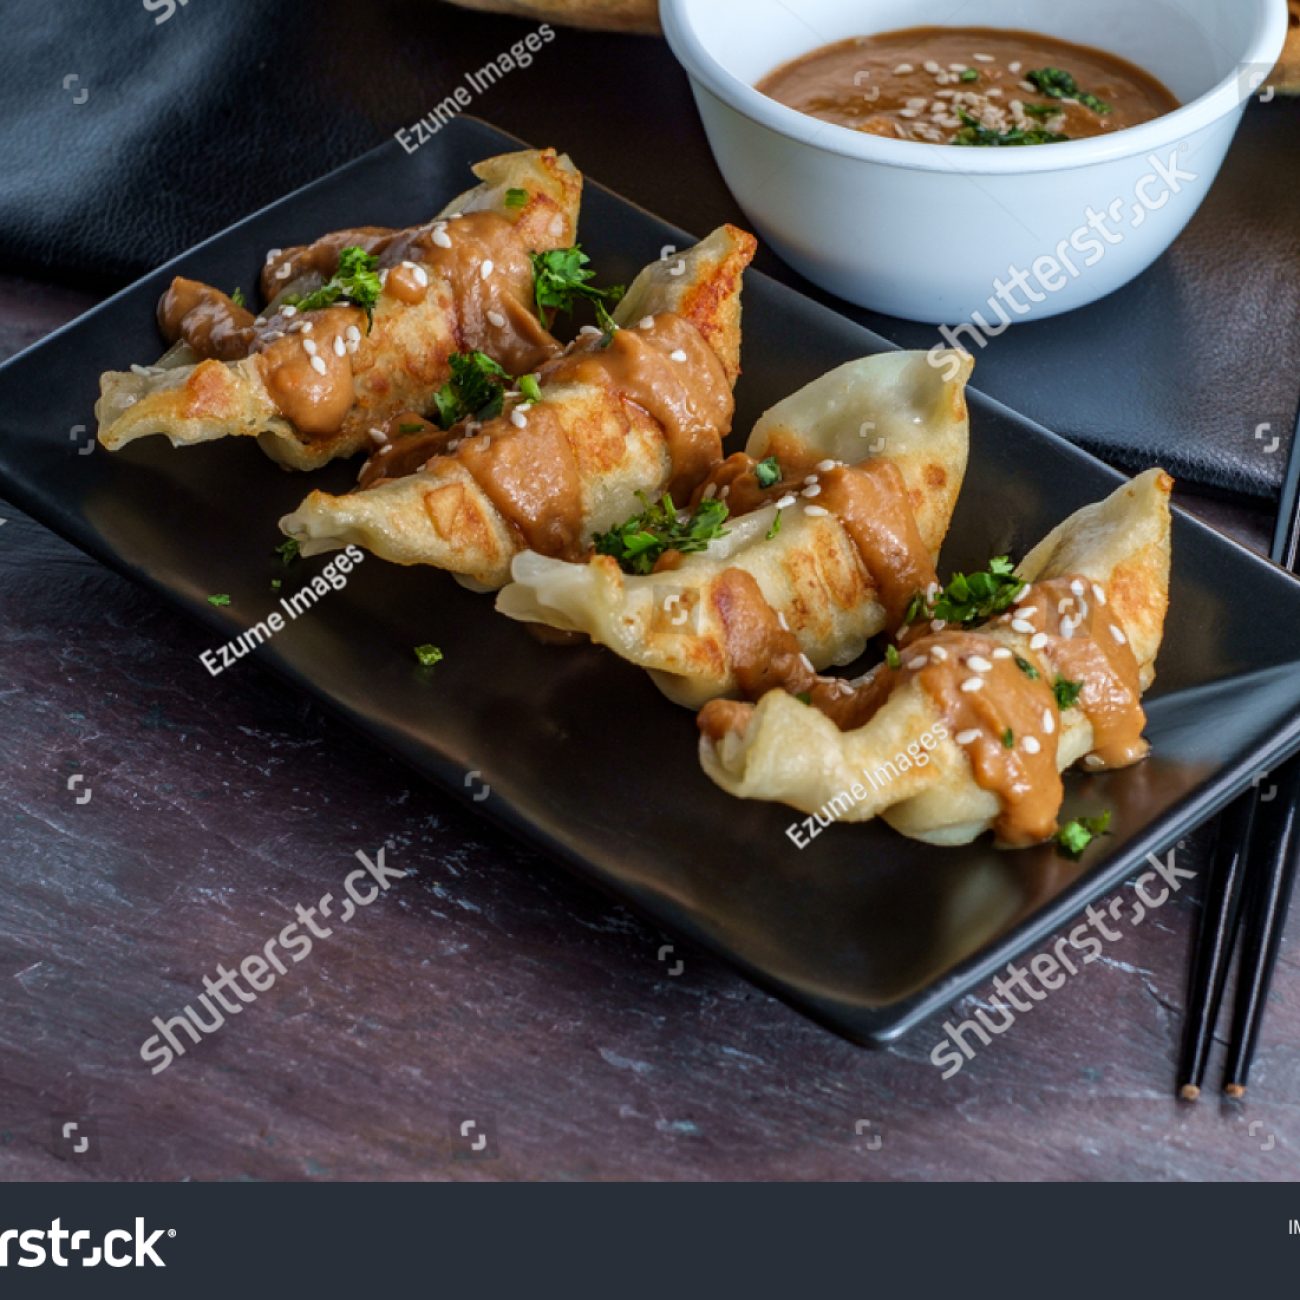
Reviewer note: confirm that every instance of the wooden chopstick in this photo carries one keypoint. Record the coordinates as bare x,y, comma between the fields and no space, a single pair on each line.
1246,833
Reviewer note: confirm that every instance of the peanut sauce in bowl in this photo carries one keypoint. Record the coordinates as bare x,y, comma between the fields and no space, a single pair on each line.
969,86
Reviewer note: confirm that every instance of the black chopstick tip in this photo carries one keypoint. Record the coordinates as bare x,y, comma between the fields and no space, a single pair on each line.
1189,1092
1234,1090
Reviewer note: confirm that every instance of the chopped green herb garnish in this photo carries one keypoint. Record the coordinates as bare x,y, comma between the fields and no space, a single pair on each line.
776,525
238,297
892,657
1076,835
1043,111
219,600
561,277
288,551
1008,739
1056,84
428,655
530,388
1027,668
276,584
974,132
969,75
516,198
768,472
357,280
971,597
804,697
638,543
1067,693
412,427
476,388
607,323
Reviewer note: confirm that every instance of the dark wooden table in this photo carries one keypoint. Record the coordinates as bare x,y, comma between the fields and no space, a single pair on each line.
488,986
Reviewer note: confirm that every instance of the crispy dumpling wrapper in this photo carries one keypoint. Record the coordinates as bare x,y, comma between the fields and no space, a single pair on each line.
894,408
576,463
906,764
394,365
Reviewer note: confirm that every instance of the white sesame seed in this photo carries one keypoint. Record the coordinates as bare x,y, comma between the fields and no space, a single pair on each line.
918,661
383,451
1014,67
288,311
1031,745
1098,594
306,326
485,444
909,112
917,101
968,737
318,365
1002,653
938,624
496,320
972,684
956,67
518,418
589,329
646,323
1118,635
259,320
353,334
285,271
1093,761
786,501
780,618
455,216
1022,625
807,663
994,92
678,354
813,491
273,255
440,237
1038,640
1077,587
982,58
932,591
309,347
825,466
487,268
1024,85
340,348
938,654
816,511
931,66
902,69
710,491
678,268
979,664
420,276
138,369
377,434
1064,603
1049,722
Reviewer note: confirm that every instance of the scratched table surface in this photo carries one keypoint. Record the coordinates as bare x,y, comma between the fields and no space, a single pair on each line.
488,1017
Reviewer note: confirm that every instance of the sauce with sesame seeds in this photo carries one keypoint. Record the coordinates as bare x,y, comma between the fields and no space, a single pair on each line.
928,84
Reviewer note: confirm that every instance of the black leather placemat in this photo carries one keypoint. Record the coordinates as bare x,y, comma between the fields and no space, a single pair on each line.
128,139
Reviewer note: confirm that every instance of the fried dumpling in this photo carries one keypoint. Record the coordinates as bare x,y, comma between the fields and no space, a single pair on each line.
309,383
972,728
834,543
637,409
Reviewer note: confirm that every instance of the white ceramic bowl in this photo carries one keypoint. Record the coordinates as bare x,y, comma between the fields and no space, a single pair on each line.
929,231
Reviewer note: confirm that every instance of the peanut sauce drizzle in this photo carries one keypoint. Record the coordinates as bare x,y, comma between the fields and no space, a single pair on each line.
481,258
531,473
1064,621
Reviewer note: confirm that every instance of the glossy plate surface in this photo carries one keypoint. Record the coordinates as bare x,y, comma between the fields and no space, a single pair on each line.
863,930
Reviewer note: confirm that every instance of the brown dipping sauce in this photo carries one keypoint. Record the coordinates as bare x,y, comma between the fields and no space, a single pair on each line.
524,460
916,84
307,357
1066,621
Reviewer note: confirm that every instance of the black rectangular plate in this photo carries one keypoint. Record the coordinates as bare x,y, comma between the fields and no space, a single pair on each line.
864,930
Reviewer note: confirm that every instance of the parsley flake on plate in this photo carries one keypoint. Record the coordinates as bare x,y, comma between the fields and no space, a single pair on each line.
288,551
220,600
428,655
1076,835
